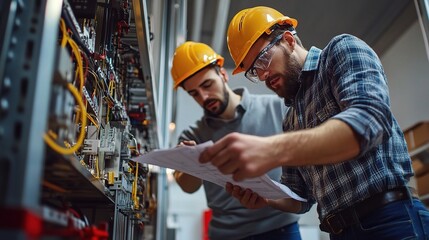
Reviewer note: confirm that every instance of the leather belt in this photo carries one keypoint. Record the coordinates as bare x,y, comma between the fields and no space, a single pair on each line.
336,222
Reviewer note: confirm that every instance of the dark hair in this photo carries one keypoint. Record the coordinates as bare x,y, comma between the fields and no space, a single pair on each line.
213,65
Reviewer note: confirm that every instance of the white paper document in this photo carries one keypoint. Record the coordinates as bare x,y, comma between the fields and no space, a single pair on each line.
185,159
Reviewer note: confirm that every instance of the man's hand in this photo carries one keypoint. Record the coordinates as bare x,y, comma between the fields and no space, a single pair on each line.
247,156
252,200
243,156
187,143
188,183
247,197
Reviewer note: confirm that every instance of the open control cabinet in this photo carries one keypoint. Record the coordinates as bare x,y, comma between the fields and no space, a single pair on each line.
76,104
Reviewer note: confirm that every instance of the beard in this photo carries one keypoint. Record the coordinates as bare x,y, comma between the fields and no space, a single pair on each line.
291,79
223,103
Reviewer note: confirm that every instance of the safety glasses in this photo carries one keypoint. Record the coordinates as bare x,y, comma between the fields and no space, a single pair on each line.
262,61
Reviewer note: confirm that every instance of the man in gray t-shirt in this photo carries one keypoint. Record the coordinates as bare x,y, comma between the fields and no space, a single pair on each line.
199,71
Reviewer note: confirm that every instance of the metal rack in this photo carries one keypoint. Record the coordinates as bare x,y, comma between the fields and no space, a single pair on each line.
422,153
32,175
26,29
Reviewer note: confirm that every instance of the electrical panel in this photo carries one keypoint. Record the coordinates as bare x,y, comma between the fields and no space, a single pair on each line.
75,107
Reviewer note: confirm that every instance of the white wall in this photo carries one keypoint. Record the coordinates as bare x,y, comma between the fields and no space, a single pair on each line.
407,69
185,214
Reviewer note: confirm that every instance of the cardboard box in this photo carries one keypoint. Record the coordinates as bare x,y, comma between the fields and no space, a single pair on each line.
419,167
423,184
417,135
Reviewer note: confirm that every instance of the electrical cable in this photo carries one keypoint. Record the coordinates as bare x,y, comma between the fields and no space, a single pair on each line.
134,189
77,95
62,150
76,52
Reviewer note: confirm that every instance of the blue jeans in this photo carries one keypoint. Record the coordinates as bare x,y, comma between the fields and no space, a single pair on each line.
289,232
407,219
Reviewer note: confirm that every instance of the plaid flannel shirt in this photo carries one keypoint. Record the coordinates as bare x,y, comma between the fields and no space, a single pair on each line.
346,81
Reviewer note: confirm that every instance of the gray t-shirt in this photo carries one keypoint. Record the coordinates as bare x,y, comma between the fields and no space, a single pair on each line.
259,115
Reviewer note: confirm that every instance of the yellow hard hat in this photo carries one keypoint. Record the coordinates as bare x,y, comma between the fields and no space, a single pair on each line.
191,57
247,26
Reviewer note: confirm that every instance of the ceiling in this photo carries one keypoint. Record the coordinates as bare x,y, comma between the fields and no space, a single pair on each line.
377,22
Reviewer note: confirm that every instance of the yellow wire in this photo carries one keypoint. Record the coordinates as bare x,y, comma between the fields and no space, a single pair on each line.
97,168
78,56
111,87
76,52
134,191
62,150
91,119
52,134
77,94
97,81
64,31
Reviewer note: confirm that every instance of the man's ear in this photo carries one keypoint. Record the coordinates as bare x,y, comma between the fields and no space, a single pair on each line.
288,37
224,74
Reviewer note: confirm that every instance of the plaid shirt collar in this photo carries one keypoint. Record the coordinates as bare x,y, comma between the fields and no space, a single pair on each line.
312,59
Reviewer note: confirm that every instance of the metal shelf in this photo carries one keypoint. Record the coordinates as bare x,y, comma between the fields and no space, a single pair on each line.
66,177
425,199
421,153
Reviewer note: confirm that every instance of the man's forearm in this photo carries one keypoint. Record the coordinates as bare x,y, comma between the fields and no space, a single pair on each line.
188,183
331,142
285,205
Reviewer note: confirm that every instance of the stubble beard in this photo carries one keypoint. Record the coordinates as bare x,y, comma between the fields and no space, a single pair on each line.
290,77
223,104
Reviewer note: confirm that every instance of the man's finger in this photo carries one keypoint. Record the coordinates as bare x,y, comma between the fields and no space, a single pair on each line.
211,153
